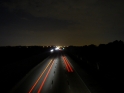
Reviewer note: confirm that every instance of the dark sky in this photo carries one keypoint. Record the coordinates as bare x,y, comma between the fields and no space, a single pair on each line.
61,22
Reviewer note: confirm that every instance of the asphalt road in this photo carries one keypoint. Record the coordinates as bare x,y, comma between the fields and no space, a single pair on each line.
55,74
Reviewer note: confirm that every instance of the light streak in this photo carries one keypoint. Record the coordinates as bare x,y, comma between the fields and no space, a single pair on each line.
39,77
45,78
66,65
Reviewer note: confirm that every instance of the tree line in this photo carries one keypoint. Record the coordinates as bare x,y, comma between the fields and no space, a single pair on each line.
104,61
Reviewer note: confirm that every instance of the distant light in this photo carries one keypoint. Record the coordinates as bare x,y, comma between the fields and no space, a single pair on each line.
51,50
57,48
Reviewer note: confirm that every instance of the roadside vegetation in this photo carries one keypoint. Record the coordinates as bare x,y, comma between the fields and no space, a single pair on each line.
104,62
17,61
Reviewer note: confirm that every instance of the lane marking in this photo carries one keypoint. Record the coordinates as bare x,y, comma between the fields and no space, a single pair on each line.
51,84
39,77
41,86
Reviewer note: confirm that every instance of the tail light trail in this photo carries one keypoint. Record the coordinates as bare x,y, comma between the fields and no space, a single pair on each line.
45,78
40,76
68,66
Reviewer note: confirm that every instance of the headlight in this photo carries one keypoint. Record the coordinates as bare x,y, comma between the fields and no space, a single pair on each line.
51,50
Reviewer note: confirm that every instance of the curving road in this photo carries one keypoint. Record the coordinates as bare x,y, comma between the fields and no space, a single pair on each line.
54,75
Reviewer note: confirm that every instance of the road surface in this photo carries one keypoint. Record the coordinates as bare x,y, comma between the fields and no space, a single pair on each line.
54,75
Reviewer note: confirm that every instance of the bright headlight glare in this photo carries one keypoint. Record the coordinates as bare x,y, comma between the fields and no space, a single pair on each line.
51,50
57,48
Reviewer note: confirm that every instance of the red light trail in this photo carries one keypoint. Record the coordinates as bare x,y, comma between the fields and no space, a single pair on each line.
39,77
45,78
68,66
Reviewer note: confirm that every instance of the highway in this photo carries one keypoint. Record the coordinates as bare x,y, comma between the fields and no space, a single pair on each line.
55,74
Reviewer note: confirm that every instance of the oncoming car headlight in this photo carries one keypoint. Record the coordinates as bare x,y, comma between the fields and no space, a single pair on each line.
51,50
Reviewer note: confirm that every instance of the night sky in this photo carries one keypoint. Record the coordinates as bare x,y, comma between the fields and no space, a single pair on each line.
61,22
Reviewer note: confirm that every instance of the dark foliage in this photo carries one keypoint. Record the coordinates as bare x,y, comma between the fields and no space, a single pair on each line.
17,61
103,62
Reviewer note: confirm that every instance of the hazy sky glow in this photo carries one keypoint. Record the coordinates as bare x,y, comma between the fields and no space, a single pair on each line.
61,22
